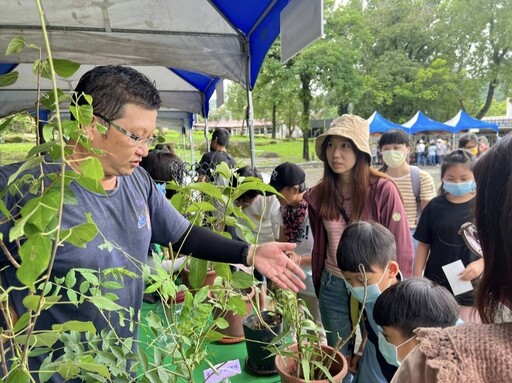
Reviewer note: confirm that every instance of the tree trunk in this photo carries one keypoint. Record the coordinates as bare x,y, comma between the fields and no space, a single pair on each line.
305,97
488,101
274,120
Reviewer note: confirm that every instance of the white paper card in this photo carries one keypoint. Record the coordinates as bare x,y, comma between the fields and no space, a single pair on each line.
223,372
452,271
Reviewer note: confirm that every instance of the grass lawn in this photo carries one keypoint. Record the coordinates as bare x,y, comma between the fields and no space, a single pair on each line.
269,152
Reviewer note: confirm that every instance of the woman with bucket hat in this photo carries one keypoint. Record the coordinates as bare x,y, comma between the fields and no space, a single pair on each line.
350,190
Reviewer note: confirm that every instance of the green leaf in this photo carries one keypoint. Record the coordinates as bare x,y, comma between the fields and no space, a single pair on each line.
15,46
104,304
40,148
48,99
8,78
18,375
27,165
82,113
46,339
35,254
242,280
198,268
46,372
90,184
22,322
31,301
72,296
80,235
68,370
91,168
223,270
6,123
75,325
207,188
70,280
65,68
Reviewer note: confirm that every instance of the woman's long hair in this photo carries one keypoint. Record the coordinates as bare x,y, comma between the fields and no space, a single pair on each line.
332,199
493,215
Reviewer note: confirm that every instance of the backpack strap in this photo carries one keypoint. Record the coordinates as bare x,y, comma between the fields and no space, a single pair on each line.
416,186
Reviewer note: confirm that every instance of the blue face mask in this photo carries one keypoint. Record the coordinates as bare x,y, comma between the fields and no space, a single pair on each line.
459,188
372,292
389,351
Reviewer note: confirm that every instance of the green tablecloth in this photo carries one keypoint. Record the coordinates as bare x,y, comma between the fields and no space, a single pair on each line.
219,353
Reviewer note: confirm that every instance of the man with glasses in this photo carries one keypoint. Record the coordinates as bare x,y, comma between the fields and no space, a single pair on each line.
131,214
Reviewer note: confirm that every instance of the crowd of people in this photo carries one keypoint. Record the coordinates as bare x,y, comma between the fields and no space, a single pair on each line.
388,219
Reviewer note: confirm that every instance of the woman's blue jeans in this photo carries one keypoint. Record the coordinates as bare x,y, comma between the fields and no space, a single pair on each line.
334,302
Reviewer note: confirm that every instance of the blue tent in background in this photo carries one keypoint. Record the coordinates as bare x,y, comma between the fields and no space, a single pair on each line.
463,121
421,123
379,124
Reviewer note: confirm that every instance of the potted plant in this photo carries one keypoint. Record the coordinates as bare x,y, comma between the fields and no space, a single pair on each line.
260,329
300,355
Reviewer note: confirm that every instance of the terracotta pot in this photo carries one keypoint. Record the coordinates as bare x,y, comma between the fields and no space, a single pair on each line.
208,280
286,367
235,331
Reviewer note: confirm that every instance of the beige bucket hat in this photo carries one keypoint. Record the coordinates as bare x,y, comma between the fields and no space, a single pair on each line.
347,126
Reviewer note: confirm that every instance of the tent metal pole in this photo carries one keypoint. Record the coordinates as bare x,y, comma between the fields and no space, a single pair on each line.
206,133
191,142
250,125
250,107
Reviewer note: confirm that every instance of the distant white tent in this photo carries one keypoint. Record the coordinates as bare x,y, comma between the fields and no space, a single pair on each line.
463,121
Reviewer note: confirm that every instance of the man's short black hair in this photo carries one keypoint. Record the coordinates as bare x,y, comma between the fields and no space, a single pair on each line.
114,86
222,136
413,303
365,243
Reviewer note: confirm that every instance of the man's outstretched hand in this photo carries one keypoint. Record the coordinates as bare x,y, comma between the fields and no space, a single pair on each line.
272,262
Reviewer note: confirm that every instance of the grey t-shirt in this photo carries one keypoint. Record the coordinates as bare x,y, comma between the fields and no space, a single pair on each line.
129,217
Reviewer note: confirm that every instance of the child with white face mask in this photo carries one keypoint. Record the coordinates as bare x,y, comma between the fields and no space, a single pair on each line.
406,306
438,230
372,246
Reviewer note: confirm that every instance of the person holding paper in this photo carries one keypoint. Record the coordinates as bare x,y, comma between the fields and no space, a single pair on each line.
477,353
442,255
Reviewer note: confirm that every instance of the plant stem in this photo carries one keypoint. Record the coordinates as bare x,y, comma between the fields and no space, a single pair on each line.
31,326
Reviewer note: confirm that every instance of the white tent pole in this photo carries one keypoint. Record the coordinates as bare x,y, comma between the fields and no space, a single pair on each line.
250,109
206,133
191,142
250,125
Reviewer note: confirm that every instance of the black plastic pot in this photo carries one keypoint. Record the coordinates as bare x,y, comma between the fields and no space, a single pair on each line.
257,337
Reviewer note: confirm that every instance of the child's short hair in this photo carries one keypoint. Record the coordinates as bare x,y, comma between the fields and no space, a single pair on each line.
365,243
413,303
394,136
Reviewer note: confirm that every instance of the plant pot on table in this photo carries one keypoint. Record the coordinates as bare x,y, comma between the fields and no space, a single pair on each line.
257,337
234,333
289,370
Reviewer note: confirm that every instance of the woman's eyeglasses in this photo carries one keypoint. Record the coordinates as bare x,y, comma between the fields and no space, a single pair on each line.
470,236
137,140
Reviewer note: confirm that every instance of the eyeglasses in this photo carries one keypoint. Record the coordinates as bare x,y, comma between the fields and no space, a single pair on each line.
137,140
470,236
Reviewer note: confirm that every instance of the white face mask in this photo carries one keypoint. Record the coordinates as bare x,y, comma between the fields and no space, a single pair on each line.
393,158
390,351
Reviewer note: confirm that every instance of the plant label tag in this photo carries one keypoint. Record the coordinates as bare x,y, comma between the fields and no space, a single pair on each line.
452,271
222,371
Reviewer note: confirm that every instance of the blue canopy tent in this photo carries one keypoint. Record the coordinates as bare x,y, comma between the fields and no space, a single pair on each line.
181,90
379,124
219,38
463,121
421,123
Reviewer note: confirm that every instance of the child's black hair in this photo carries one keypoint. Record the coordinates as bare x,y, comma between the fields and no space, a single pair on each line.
367,244
247,171
413,303
394,136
